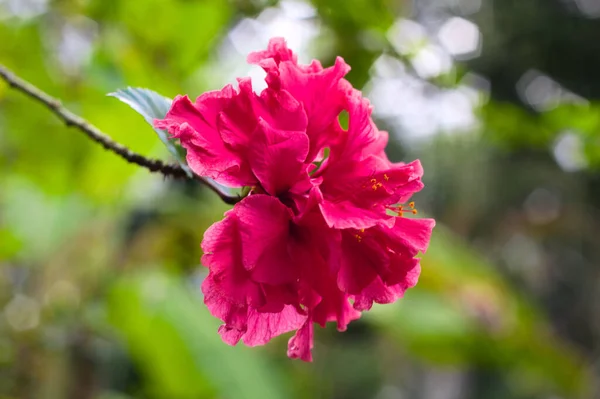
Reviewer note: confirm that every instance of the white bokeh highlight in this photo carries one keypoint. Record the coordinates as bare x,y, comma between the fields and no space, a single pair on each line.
461,38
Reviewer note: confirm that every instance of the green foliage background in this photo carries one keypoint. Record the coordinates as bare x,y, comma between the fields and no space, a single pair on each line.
99,260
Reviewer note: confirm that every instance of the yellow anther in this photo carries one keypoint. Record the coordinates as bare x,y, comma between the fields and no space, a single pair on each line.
386,177
358,237
376,184
362,230
401,211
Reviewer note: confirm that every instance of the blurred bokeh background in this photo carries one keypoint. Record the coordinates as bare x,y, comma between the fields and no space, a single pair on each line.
99,260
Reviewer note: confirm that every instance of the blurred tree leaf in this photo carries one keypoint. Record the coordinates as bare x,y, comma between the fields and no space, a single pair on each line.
151,106
512,127
364,21
582,120
175,342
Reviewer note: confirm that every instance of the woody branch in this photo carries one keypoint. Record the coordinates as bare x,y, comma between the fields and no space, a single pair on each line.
95,134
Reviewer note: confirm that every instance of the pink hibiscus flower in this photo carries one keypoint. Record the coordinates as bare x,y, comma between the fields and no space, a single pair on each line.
321,236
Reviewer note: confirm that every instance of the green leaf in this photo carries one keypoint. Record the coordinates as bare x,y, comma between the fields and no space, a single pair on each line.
152,105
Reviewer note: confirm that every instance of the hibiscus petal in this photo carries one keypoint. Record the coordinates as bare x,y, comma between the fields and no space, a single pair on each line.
276,49
228,289
362,260
311,89
264,224
209,104
403,270
184,111
195,126
321,91
355,194
377,291
237,120
206,159
377,147
317,249
281,110
264,326
362,132
347,215
277,158
413,233
223,256
301,344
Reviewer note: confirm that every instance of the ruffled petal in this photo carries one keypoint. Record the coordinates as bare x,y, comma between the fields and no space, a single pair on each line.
301,344
282,111
413,234
346,214
237,119
277,158
318,249
379,292
357,194
277,50
251,311
323,95
228,289
321,91
376,266
195,125
363,260
264,326
362,136
264,224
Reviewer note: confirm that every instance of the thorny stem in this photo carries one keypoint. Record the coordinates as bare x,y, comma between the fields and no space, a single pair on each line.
72,120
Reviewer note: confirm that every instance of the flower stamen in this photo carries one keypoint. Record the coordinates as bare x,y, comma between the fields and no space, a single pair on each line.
359,235
399,209
375,185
